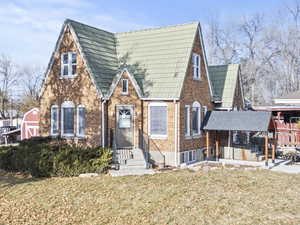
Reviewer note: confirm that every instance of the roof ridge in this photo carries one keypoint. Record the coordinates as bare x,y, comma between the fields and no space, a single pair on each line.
74,21
157,28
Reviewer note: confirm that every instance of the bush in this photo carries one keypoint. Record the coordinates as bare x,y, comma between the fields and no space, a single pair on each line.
44,157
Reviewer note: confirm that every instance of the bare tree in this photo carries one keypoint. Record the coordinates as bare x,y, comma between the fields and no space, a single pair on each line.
8,80
31,77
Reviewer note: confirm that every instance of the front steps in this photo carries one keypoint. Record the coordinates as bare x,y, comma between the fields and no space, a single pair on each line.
131,162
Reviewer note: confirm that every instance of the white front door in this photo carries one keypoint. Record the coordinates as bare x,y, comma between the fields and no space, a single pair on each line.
124,126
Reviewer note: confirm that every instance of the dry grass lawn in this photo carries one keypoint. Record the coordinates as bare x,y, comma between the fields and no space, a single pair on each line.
220,196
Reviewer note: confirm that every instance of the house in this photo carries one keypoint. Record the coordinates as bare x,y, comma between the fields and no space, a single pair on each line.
286,113
143,91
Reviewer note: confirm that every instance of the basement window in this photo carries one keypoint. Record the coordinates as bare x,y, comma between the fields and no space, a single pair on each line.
68,64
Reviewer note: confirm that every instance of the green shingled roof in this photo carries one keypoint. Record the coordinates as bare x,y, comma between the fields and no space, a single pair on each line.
157,58
224,79
99,49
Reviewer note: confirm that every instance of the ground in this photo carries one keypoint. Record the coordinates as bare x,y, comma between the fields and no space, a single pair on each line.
219,196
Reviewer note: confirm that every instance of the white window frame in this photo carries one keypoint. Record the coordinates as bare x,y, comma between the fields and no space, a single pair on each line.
52,122
197,105
66,104
124,93
77,121
156,136
70,64
204,111
196,76
187,120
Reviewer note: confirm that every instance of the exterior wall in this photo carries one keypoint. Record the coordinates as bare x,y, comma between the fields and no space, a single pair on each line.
162,149
194,90
131,99
79,90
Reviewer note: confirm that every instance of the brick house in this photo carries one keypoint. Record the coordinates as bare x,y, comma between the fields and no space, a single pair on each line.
145,90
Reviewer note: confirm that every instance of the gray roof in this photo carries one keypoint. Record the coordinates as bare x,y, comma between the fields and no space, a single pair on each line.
158,68
237,121
224,80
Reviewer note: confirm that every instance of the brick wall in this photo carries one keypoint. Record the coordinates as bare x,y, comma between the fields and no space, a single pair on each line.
79,90
194,90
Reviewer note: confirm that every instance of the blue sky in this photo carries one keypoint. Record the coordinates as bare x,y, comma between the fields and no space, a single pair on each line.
30,28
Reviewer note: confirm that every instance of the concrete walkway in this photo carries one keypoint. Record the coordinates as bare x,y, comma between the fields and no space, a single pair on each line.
131,172
279,165
295,169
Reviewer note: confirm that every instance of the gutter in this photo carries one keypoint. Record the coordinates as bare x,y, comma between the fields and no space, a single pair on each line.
102,121
176,133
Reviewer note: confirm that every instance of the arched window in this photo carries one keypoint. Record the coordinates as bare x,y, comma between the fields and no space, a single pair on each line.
54,120
196,118
80,120
67,118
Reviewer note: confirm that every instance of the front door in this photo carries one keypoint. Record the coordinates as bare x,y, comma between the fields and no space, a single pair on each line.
124,126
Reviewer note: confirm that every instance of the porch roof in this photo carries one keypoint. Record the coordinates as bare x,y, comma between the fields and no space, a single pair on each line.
237,121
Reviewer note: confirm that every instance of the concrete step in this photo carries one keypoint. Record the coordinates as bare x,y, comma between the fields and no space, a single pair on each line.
134,162
132,167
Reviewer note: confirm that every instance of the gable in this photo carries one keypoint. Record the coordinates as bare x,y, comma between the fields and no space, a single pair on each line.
131,82
73,88
224,79
197,89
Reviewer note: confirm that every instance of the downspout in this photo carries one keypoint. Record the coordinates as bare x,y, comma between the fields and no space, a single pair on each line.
103,122
176,132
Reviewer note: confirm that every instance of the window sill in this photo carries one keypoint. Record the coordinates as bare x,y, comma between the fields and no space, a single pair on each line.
195,136
197,79
188,137
124,94
159,137
67,77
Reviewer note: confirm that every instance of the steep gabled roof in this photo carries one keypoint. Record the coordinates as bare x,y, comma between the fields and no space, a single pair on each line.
158,57
224,79
99,50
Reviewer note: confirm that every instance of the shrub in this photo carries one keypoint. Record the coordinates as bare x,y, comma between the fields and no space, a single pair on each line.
44,157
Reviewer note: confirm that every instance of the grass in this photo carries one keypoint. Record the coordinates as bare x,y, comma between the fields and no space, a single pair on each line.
220,196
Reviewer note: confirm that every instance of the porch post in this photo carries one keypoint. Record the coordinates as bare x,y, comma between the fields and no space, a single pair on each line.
217,146
266,149
207,145
273,147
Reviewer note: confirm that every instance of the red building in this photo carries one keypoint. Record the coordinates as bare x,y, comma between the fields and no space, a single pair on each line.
30,124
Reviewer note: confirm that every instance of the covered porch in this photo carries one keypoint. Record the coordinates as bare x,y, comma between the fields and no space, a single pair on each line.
240,135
